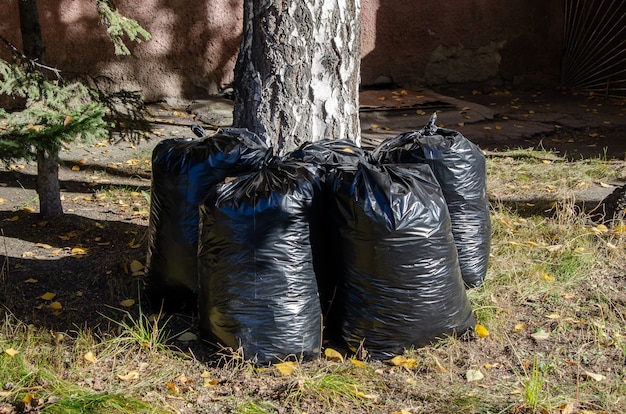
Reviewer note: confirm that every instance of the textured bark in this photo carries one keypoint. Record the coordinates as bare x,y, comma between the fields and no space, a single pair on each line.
30,30
48,185
47,163
297,74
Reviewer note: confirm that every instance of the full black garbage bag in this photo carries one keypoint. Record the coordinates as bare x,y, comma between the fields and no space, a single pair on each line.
328,154
460,169
183,172
258,291
401,283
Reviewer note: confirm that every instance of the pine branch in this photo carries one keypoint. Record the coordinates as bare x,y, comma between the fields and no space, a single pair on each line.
15,52
119,26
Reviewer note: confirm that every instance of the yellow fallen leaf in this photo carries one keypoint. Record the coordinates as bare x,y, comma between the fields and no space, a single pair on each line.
286,368
548,277
78,251
210,382
48,296
11,352
31,280
620,228
519,327
372,397
3,200
14,218
333,355
127,303
135,266
43,246
130,375
133,245
602,228
553,315
75,168
357,363
28,398
56,306
481,331
402,361
67,120
89,356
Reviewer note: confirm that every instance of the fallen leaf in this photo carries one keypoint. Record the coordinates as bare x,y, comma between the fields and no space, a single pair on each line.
14,218
372,397
127,303
173,387
136,267
401,361
286,368
519,327
130,375
473,375
78,251
357,363
89,356
11,352
595,377
31,280
187,337
75,168
333,355
48,296
540,335
481,331
28,398
67,120
56,306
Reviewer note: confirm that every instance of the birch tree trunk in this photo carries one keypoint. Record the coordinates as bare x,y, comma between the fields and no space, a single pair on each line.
297,73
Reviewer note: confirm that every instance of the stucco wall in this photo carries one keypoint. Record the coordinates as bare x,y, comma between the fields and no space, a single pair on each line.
412,43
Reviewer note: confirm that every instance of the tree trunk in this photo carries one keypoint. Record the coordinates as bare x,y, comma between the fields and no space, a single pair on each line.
297,74
47,164
48,184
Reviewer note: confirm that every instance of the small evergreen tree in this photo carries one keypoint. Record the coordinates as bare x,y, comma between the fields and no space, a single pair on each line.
56,112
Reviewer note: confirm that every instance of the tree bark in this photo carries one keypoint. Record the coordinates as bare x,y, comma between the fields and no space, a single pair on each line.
48,184
47,163
297,73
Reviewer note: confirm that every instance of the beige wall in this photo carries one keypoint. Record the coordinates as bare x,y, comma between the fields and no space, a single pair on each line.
413,43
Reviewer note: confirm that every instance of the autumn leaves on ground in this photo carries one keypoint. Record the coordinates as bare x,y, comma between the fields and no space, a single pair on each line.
77,335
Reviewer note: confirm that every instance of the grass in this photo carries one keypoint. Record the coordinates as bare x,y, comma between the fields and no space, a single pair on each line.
552,273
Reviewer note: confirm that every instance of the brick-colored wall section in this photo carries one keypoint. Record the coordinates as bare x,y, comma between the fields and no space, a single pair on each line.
412,43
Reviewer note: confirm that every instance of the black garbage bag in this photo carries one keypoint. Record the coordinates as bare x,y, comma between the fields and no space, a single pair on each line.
330,152
257,282
183,173
402,285
460,169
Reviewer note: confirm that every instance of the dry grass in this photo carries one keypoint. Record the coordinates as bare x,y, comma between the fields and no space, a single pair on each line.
554,304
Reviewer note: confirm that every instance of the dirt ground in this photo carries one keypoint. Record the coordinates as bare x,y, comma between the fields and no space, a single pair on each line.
86,257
